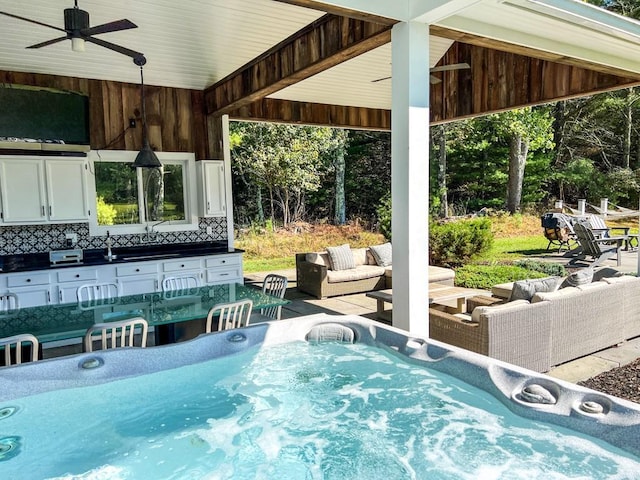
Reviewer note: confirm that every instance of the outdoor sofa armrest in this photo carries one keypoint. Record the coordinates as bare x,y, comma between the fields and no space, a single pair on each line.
482,301
310,277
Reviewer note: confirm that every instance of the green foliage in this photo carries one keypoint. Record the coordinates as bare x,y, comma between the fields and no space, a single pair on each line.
486,276
457,243
106,213
384,216
547,268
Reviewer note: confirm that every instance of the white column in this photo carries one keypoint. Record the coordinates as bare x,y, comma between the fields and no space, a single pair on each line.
582,206
410,176
226,156
604,207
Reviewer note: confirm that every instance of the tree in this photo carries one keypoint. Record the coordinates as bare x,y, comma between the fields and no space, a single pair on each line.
284,160
526,129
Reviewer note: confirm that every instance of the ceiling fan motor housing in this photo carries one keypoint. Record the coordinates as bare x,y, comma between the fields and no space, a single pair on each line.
75,20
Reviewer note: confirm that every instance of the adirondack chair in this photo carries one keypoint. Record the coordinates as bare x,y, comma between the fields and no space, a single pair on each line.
598,248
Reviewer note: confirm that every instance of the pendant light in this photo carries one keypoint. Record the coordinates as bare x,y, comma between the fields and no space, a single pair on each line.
146,157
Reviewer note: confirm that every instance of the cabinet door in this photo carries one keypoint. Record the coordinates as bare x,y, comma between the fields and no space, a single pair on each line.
33,296
22,190
214,191
66,190
135,285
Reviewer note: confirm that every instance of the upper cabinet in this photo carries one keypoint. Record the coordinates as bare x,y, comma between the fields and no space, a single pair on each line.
211,183
36,190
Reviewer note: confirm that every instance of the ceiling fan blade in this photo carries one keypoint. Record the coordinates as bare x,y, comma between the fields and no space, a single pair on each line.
32,21
453,66
109,27
114,47
433,80
380,79
49,42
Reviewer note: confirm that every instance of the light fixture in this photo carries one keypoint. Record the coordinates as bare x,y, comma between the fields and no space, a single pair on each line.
77,44
146,157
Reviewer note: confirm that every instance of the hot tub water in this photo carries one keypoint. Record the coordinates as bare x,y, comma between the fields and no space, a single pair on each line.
295,411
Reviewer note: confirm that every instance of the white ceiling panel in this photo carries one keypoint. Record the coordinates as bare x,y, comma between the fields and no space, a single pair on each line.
352,83
187,43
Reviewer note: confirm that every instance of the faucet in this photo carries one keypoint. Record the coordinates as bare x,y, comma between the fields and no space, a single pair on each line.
151,235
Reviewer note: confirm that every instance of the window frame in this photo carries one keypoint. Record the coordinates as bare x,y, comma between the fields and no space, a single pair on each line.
189,187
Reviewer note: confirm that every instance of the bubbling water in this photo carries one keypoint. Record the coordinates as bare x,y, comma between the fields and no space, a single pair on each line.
296,411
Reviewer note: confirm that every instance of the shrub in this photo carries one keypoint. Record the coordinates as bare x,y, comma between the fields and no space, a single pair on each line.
106,212
546,268
384,216
456,243
486,276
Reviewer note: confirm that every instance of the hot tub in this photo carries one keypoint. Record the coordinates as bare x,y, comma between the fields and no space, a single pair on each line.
317,397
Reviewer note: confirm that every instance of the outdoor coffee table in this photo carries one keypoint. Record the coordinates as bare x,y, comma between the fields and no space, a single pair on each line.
438,293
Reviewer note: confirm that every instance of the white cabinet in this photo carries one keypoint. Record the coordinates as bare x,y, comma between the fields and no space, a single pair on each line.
211,188
32,288
69,280
35,190
22,190
223,269
66,190
137,277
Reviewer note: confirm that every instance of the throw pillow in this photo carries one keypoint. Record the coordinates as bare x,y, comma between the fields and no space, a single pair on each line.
341,258
382,254
581,277
526,289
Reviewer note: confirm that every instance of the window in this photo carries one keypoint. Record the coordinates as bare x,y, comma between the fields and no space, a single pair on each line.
129,199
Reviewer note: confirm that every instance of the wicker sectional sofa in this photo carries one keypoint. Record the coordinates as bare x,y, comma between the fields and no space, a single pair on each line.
553,328
315,276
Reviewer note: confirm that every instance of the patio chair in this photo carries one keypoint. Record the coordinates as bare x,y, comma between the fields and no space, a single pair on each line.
8,303
180,287
117,334
597,248
230,315
558,229
274,285
15,344
96,294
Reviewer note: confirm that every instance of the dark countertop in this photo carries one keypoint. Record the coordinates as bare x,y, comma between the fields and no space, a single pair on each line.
96,256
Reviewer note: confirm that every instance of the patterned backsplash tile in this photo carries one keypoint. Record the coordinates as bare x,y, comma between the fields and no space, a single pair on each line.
22,239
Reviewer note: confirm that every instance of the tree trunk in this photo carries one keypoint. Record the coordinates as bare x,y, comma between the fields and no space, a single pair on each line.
518,150
340,213
558,129
442,172
259,205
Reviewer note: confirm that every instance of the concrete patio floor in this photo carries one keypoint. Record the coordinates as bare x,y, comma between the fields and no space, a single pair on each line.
358,304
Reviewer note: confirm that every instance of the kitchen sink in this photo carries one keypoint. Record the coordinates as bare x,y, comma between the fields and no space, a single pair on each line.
152,256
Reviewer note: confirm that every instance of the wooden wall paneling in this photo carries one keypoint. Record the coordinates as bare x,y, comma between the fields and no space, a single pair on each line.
131,109
198,121
112,121
97,135
154,118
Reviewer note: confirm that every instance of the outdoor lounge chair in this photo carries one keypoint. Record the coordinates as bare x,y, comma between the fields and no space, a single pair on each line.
558,229
598,248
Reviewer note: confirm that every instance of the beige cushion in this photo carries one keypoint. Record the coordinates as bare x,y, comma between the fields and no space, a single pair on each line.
440,274
360,256
503,307
621,279
318,258
502,290
358,273
595,286
388,271
551,296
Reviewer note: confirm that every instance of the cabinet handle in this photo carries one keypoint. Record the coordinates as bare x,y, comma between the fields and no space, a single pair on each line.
43,210
48,297
60,295
77,275
224,274
50,211
224,261
137,269
28,280
182,266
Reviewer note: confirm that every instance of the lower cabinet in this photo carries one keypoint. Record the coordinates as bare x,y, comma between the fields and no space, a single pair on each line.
138,277
32,289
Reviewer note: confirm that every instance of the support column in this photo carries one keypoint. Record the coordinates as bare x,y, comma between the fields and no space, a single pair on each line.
410,176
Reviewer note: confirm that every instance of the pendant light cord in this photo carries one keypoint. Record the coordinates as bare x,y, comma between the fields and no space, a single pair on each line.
144,110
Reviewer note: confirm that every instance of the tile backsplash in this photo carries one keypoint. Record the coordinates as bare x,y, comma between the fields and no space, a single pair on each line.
21,239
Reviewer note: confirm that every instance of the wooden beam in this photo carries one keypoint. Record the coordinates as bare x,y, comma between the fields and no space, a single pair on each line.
327,42
302,113
342,11
526,51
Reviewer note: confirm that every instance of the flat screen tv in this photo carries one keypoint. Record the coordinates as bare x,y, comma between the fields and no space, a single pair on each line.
43,114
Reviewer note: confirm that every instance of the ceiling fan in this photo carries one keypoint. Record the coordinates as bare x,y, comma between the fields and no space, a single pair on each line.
432,78
77,29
